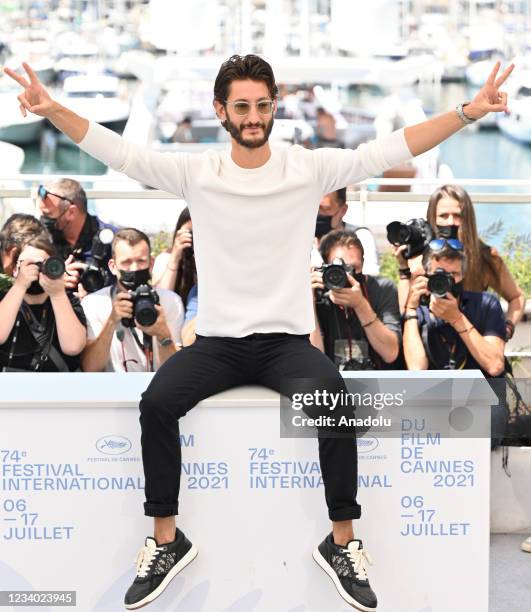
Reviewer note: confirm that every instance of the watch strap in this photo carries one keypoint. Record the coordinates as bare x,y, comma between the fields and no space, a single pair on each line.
461,113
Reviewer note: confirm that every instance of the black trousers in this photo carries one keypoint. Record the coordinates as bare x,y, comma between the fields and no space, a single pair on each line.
213,364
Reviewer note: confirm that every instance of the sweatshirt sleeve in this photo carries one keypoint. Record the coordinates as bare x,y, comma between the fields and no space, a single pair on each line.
166,171
337,168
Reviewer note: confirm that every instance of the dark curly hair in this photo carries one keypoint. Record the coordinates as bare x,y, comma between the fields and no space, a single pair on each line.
239,68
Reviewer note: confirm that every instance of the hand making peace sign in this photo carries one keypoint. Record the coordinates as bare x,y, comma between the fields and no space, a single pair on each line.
489,99
34,98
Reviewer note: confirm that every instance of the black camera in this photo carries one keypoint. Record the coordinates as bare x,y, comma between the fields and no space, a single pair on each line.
360,363
144,298
335,277
335,274
440,283
94,276
53,267
416,233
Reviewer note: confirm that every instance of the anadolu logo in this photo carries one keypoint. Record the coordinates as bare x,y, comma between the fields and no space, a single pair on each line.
367,444
113,445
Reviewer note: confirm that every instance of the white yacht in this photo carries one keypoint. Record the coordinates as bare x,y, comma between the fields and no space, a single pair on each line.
15,128
517,123
96,97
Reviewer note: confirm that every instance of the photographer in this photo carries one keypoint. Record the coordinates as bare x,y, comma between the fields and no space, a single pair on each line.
76,234
451,214
175,269
357,326
16,231
42,327
332,208
118,340
459,329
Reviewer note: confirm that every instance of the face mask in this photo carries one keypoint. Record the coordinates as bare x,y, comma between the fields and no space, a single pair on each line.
323,225
447,231
51,225
131,279
458,289
35,288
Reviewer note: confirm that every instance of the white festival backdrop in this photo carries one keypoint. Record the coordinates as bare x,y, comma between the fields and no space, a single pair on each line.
71,514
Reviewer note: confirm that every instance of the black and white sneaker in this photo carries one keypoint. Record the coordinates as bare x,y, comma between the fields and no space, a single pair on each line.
346,566
156,566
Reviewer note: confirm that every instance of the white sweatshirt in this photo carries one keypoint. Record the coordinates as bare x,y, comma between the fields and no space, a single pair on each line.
253,228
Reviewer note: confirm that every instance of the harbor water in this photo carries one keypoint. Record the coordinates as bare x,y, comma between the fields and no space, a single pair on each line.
471,153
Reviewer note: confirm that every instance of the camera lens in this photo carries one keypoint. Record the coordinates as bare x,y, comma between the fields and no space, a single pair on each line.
335,277
53,267
92,279
394,232
439,285
145,312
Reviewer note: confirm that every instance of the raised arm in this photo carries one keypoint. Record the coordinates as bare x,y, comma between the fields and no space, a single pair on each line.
160,170
426,135
38,101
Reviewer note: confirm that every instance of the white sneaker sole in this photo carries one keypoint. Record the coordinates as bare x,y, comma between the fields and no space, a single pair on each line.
188,558
321,561
526,546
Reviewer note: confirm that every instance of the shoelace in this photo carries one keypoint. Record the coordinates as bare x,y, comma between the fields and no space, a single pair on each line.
357,558
144,559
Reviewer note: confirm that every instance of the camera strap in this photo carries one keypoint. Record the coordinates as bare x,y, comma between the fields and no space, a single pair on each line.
452,364
372,354
43,334
146,346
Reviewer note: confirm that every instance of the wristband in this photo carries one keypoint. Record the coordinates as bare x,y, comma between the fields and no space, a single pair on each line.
408,317
370,322
404,273
509,329
165,341
467,329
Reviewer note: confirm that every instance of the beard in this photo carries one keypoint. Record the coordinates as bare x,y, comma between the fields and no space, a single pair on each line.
237,132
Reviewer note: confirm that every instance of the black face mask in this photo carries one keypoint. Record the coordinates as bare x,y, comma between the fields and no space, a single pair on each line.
35,288
323,225
131,279
51,225
447,231
457,289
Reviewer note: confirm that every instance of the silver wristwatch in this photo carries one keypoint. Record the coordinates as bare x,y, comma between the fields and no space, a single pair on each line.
459,110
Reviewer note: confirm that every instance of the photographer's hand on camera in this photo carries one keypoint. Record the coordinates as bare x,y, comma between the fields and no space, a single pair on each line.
398,252
122,307
418,288
27,272
316,279
183,240
73,272
53,287
349,296
446,308
159,329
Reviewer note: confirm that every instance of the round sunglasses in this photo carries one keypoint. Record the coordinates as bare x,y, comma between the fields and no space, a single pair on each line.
241,107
